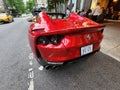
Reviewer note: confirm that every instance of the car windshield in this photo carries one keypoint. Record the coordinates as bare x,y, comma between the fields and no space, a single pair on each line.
3,14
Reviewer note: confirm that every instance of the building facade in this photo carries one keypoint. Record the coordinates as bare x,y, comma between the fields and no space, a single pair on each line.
41,3
2,8
87,4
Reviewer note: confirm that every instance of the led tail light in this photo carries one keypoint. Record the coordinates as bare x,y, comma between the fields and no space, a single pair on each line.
54,39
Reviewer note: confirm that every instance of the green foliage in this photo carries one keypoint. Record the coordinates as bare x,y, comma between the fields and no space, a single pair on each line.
17,5
30,5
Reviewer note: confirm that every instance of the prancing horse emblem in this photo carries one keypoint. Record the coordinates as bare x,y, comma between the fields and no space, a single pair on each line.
88,36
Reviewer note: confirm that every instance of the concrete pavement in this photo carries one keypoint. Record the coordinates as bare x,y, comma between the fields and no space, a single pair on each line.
111,42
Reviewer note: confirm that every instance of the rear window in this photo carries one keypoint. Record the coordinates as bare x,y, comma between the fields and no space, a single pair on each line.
3,14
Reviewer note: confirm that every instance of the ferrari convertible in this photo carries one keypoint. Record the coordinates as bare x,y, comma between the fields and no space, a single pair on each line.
56,39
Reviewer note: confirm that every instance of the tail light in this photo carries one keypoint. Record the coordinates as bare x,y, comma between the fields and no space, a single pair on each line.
44,40
56,39
102,30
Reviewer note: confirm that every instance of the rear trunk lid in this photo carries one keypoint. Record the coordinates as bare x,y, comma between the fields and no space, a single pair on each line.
73,24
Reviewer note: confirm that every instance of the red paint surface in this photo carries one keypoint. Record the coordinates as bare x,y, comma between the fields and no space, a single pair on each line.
75,30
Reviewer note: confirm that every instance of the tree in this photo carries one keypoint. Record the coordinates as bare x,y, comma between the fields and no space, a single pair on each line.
30,5
54,4
17,5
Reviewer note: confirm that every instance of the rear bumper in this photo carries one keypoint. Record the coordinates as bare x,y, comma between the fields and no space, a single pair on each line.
70,47
63,54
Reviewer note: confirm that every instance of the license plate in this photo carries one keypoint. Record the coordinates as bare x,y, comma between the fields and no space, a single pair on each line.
86,49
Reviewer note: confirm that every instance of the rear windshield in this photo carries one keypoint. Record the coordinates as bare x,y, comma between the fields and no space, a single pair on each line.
3,14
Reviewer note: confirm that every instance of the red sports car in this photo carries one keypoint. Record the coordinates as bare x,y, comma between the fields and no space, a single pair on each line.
55,41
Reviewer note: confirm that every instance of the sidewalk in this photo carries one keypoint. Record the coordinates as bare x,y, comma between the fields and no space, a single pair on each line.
111,41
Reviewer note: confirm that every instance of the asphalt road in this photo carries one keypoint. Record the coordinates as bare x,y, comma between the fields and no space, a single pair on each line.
20,71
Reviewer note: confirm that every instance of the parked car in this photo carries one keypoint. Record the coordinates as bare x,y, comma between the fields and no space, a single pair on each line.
55,41
4,17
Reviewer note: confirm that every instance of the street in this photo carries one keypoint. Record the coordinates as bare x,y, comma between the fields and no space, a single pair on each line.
20,71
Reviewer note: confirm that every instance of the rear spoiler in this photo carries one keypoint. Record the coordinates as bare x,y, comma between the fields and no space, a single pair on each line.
71,31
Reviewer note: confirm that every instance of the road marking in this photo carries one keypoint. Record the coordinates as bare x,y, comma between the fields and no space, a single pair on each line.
28,45
31,69
41,68
30,56
31,77
31,63
31,73
31,85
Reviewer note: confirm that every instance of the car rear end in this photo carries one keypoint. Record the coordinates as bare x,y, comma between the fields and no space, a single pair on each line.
70,39
65,47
